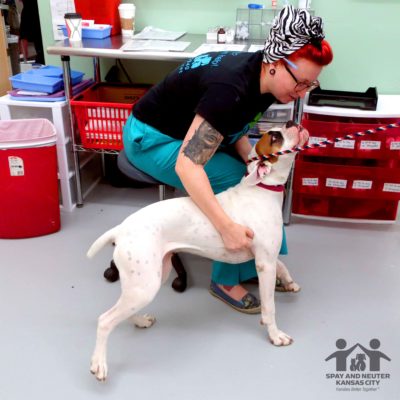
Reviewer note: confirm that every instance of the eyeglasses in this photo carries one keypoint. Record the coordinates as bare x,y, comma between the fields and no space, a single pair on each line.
300,86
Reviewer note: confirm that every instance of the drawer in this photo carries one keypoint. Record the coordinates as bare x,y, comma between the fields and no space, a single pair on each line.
347,181
354,209
381,145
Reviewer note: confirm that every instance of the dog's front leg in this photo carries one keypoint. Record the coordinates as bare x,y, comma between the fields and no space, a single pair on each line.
266,270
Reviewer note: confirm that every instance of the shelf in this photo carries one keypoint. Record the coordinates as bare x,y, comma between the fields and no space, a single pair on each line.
388,107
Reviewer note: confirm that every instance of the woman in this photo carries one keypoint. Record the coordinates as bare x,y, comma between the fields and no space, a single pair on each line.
183,130
30,30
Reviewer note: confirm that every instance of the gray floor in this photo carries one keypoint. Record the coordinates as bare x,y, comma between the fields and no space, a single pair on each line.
51,296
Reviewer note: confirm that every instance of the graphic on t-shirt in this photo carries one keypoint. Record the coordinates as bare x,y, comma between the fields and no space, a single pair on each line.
205,59
199,61
233,138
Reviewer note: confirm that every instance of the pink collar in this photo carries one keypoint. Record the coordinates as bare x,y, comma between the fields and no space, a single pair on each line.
274,188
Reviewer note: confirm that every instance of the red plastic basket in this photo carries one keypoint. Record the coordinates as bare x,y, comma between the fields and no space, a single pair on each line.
101,112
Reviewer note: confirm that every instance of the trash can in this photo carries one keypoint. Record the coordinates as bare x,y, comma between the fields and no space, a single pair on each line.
29,200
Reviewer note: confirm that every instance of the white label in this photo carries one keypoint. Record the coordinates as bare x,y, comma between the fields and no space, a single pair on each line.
370,145
395,146
221,38
391,187
16,166
336,183
345,144
362,184
316,139
310,182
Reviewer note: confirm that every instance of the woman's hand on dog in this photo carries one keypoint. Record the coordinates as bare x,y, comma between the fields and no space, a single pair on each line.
237,237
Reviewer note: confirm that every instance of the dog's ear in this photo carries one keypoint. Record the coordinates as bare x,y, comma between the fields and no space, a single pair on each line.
265,145
258,170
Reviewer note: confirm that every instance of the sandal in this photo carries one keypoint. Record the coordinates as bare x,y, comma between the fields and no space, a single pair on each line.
249,304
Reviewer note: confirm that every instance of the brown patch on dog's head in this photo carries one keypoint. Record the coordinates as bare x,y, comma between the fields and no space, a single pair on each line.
271,142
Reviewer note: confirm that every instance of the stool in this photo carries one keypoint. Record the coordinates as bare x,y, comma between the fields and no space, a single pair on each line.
112,274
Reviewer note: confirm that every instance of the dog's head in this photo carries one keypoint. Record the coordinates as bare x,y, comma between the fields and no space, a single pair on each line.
275,170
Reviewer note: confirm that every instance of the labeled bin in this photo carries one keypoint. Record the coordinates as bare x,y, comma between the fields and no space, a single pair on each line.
346,191
29,201
380,145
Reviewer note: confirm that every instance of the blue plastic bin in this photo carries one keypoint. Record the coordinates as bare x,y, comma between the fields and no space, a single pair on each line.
56,72
92,33
36,83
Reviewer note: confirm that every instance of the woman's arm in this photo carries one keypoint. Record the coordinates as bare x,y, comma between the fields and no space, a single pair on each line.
243,147
199,145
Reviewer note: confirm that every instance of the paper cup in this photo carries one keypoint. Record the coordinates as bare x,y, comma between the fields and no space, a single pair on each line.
73,21
127,18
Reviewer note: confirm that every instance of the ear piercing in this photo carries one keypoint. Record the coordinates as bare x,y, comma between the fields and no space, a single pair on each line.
272,71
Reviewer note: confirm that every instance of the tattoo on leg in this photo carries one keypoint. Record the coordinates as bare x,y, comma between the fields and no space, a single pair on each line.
203,144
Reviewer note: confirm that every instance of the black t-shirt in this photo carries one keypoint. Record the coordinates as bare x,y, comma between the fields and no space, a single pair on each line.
222,87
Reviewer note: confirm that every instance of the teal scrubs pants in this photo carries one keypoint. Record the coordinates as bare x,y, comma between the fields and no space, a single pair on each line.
155,154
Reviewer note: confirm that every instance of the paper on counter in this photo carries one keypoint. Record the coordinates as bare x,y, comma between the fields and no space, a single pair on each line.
154,45
255,47
207,47
58,9
151,33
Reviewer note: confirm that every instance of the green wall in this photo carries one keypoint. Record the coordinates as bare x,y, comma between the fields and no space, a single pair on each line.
364,35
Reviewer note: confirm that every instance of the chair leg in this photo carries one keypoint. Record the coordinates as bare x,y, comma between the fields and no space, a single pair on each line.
161,192
111,273
180,283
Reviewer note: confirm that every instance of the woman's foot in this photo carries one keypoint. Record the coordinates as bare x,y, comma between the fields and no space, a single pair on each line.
237,297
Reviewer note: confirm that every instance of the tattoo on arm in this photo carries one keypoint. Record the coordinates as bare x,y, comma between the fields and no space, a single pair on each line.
203,144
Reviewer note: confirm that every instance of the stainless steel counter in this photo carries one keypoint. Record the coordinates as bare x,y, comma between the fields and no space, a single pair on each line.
110,48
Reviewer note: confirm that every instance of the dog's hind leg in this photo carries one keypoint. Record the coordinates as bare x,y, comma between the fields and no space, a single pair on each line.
146,320
283,274
140,276
128,304
143,321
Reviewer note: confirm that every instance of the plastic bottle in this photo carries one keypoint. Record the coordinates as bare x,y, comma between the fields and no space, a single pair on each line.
221,35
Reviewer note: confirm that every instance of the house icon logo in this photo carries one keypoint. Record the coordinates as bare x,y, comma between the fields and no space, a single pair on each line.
358,368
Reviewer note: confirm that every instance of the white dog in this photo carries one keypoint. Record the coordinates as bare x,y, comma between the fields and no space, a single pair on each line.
145,241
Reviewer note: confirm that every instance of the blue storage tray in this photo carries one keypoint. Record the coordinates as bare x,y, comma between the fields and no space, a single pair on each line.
56,72
36,83
90,33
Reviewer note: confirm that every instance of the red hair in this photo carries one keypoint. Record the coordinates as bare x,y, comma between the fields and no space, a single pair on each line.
321,56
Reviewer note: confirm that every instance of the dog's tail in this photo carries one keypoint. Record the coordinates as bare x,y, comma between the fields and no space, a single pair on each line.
105,238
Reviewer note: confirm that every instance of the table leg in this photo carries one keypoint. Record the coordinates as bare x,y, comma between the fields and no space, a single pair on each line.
68,95
96,69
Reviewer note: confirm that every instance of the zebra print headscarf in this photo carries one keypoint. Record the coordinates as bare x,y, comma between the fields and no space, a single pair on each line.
291,30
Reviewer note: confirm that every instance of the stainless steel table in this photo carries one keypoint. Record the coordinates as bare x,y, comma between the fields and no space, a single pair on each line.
110,48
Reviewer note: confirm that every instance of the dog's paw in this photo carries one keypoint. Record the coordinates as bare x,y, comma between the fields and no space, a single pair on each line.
143,321
99,369
279,338
292,287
